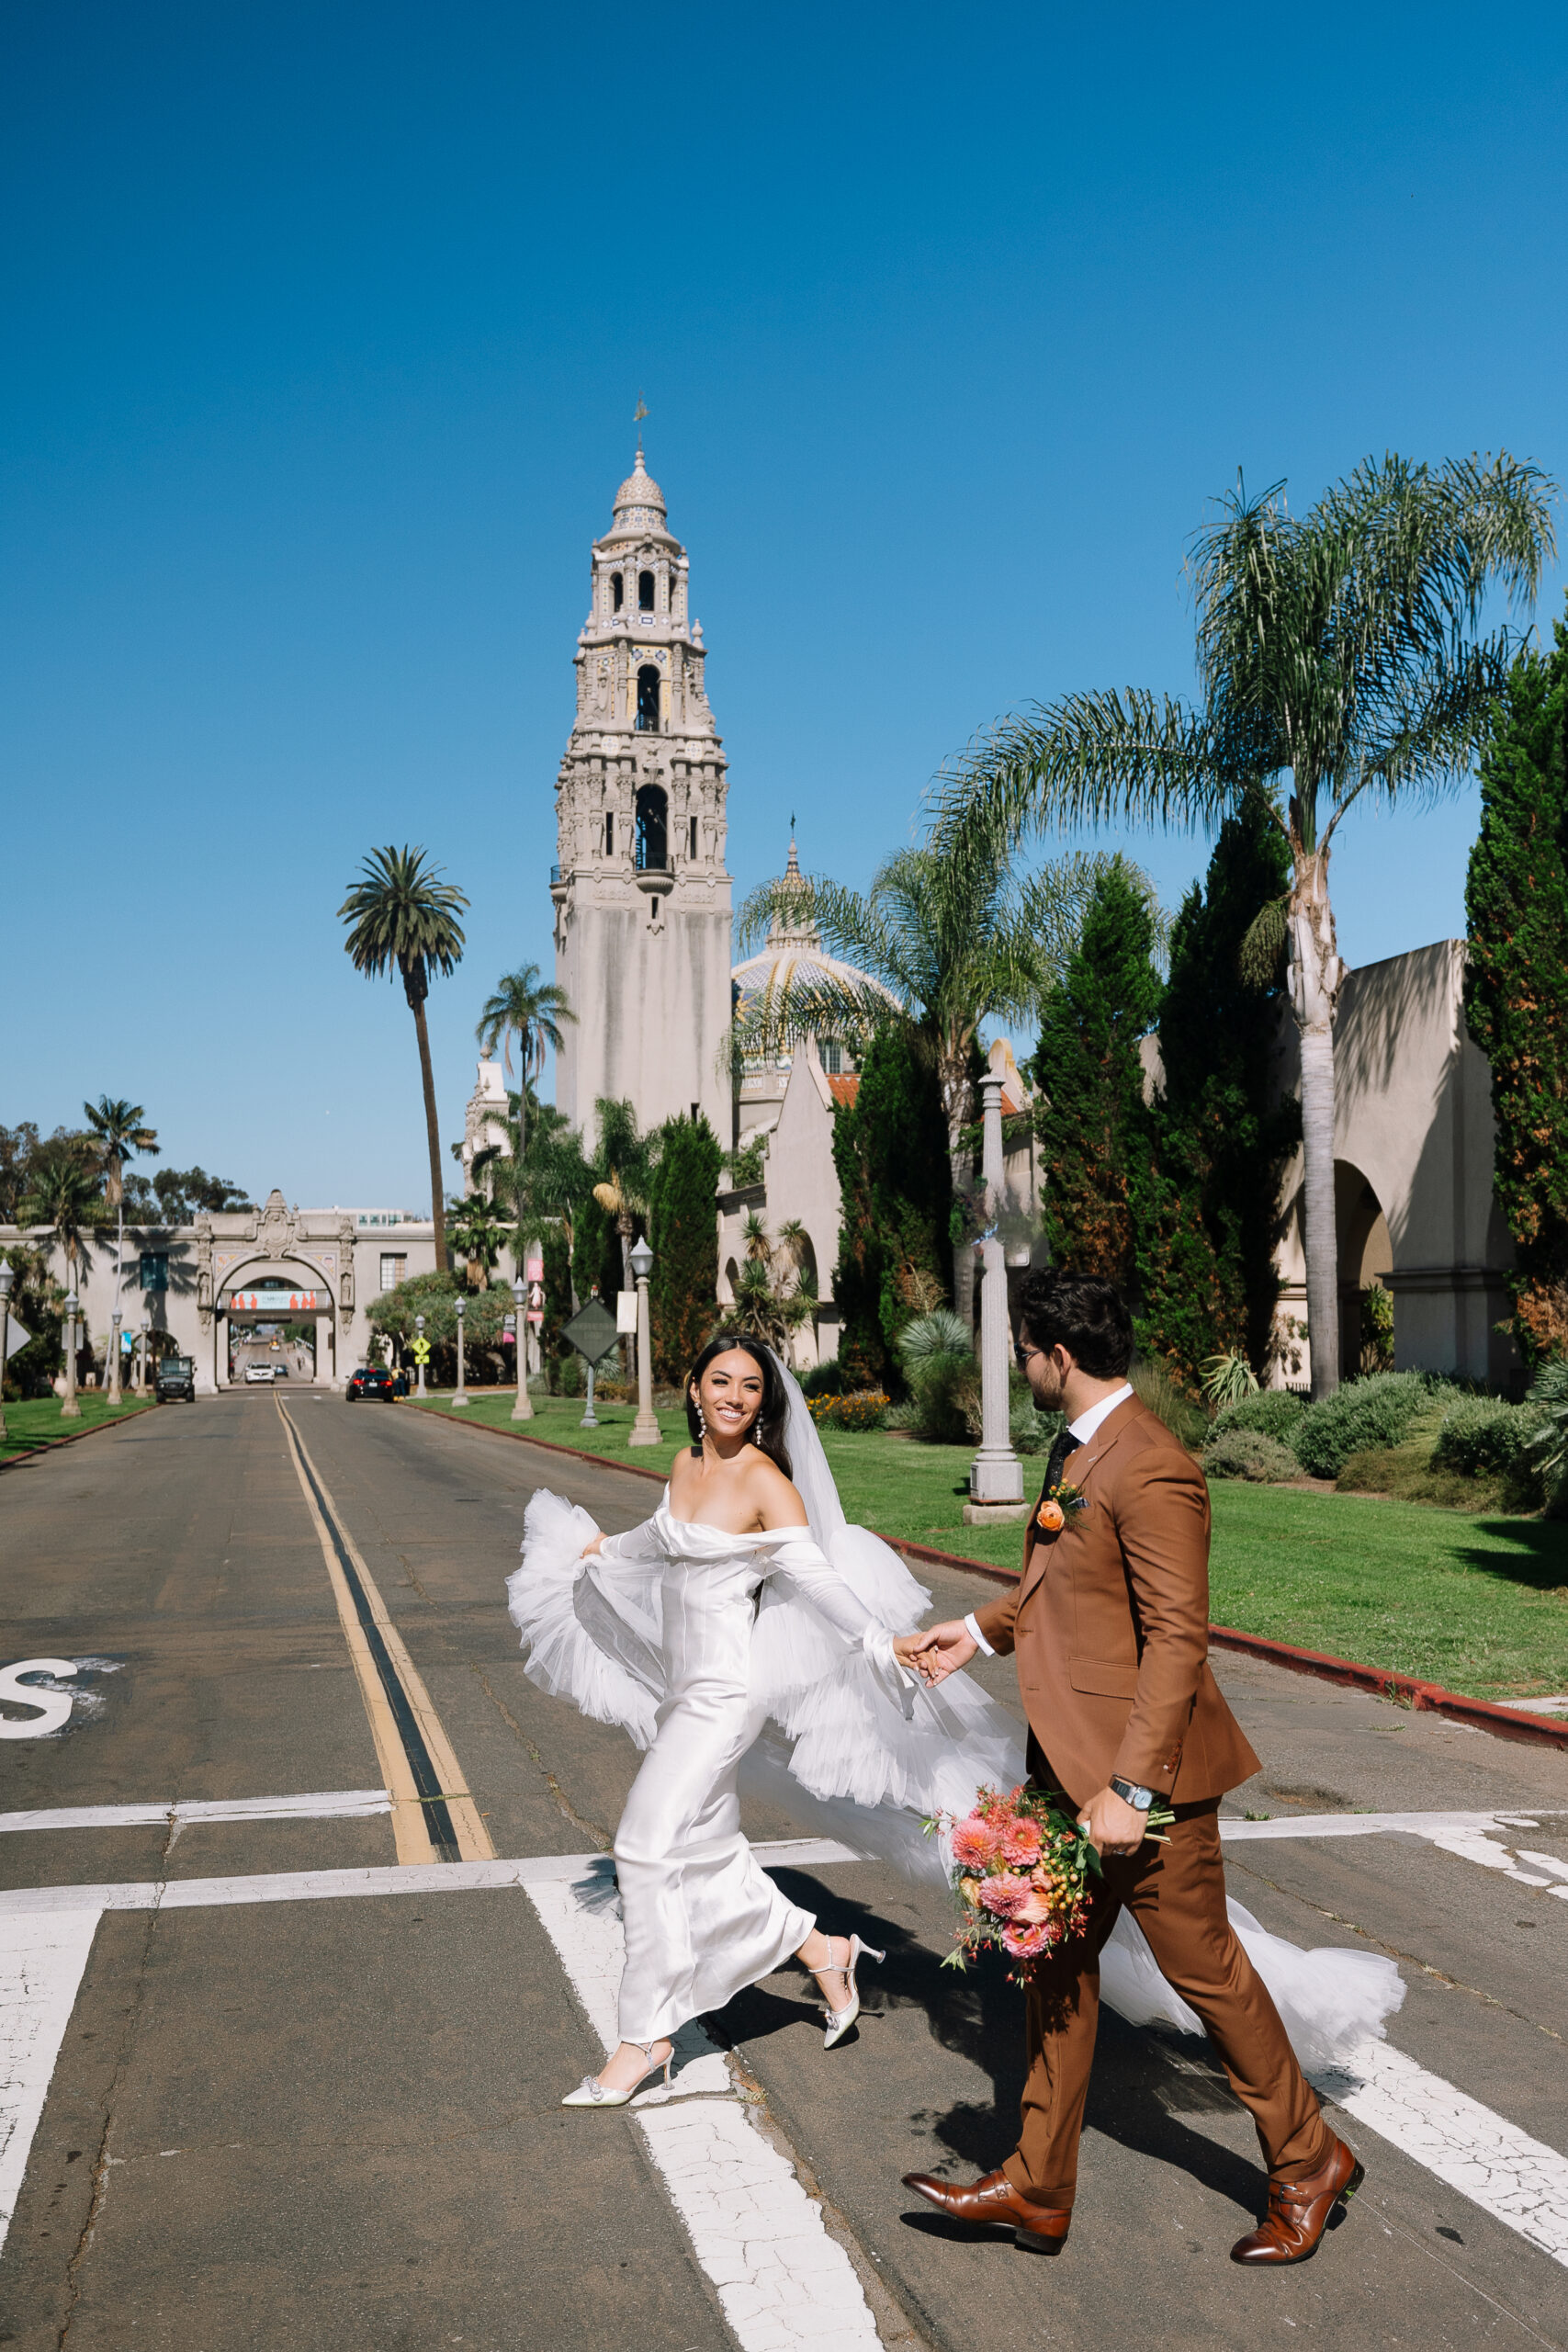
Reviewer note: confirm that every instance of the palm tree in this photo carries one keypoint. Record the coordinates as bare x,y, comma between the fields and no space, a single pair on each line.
773,1295
626,1158
1340,657
531,1010
403,917
943,943
118,1130
64,1183
474,1228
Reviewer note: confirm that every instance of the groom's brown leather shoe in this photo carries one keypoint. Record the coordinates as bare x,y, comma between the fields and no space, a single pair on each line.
1299,2211
993,2203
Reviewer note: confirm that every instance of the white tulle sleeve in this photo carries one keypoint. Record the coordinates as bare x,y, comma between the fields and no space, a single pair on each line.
801,1568
591,1627
864,1733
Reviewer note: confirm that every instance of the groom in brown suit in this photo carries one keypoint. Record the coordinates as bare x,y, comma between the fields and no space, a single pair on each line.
1110,1628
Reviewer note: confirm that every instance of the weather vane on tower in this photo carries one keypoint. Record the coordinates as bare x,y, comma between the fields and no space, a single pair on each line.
637,414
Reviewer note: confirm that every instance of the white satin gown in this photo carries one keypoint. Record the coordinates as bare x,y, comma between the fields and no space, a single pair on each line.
692,1638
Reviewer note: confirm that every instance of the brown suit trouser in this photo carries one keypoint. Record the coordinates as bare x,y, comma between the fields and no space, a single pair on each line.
1177,1893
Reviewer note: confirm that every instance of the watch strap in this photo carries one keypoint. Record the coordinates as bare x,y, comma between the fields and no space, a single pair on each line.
1130,1794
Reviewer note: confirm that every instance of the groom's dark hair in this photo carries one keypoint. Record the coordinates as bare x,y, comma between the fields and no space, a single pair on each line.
1082,1313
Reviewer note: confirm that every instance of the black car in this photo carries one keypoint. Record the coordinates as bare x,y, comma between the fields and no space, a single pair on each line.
370,1380
175,1376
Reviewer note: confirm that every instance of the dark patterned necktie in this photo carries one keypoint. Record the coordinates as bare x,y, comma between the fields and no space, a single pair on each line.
1055,1462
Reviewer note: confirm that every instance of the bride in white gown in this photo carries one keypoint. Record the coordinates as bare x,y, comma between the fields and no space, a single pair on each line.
746,1627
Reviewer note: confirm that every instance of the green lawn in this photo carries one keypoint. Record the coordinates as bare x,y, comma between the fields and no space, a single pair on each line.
29,1424
1478,1602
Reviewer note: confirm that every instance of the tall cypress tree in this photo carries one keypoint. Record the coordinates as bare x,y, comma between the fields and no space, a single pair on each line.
1088,1067
683,1233
1516,993
1219,1133
890,1151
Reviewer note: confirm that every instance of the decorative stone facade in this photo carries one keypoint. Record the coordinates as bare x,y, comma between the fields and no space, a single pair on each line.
641,894
335,1254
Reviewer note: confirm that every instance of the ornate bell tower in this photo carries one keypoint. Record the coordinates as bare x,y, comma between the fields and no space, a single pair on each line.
641,895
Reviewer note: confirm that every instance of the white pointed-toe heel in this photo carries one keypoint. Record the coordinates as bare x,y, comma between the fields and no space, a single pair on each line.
590,2093
840,2020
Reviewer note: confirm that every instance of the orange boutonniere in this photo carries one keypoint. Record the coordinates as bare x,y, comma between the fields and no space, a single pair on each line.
1055,1505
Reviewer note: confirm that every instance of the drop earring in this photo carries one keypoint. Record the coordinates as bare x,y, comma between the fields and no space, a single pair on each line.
702,1430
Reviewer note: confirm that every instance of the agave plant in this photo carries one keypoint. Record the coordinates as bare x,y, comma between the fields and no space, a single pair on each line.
1228,1378
1549,1447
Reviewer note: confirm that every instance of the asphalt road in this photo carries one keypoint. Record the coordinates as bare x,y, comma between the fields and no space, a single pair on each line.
328,2117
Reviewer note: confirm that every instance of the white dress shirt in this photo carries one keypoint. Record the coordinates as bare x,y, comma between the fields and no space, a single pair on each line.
1081,1431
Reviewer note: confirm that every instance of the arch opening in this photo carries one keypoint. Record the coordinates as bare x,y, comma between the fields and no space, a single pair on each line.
652,829
648,699
1365,1259
618,591
647,589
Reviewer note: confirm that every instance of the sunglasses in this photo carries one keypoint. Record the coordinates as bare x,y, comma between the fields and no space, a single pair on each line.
1021,1353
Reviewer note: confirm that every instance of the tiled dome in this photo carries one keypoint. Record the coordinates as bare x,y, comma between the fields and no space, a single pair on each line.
639,489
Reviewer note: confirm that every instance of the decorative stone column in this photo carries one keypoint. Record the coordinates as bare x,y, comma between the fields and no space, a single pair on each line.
70,1410
460,1394
996,1475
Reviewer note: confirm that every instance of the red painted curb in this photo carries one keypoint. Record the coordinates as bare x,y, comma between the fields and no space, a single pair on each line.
1423,1697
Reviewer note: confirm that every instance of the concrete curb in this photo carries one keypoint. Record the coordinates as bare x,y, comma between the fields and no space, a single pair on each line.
1404,1690
71,1436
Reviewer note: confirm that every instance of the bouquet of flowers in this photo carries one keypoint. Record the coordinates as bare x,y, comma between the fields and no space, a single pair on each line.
1022,1870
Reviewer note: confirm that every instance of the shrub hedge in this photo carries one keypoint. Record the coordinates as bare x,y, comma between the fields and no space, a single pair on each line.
1273,1412
1250,1453
1482,1433
1379,1411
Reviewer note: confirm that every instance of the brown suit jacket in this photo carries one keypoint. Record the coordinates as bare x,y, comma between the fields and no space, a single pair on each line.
1111,1624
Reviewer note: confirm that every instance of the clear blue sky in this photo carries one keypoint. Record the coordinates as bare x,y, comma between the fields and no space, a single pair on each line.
325,326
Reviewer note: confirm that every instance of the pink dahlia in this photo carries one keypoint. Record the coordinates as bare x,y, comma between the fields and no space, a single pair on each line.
1022,1841
974,1842
1003,1895
1029,1941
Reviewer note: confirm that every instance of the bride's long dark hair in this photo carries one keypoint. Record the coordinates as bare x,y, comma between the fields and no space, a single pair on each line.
773,1415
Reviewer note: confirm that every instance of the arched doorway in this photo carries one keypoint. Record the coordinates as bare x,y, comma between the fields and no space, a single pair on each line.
1366,1260
276,1325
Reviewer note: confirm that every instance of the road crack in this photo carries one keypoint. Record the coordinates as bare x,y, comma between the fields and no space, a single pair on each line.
102,2160
601,1836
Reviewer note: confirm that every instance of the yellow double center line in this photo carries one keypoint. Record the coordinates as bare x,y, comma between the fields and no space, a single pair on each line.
434,1818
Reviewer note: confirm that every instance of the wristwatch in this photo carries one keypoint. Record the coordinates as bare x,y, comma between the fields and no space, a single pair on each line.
1130,1794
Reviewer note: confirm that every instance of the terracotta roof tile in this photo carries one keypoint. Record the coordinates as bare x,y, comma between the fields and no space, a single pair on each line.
844,1091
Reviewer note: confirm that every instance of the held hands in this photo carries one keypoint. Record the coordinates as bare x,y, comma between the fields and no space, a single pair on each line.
1115,1826
937,1652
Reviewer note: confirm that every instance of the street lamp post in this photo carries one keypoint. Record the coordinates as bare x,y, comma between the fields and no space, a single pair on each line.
996,1475
419,1354
6,1279
460,1395
645,1429
146,1340
523,1410
115,1390
70,1410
